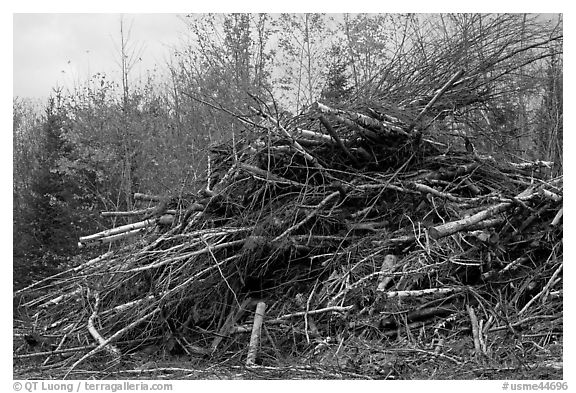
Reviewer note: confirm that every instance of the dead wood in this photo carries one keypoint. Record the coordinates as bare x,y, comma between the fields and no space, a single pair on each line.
369,230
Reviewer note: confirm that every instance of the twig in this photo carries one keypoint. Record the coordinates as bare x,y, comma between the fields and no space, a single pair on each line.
283,318
557,217
360,119
188,255
57,349
132,213
521,322
233,316
544,291
55,352
453,227
210,250
550,195
435,98
387,267
292,140
340,116
315,136
58,299
422,292
198,275
306,317
113,338
208,174
475,329
337,139
73,270
97,336
268,176
219,107
126,306
117,230
157,370
440,355
308,217
429,190
110,239
535,164
146,197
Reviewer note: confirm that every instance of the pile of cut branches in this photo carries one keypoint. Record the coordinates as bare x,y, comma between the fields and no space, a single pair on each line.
354,236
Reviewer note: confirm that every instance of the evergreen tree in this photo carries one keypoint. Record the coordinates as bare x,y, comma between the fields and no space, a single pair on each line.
50,216
336,89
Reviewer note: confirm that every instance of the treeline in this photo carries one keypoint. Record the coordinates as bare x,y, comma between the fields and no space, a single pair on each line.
94,146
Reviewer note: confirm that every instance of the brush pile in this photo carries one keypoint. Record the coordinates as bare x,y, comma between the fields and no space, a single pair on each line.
364,239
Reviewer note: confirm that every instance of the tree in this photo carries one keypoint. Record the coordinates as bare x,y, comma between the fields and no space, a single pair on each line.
336,88
367,43
225,57
549,116
27,146
303,48
130,53
46,222
27,136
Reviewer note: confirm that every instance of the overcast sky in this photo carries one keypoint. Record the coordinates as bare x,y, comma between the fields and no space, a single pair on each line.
60,49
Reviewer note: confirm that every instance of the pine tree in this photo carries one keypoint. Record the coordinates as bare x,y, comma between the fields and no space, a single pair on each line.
336,89
51,216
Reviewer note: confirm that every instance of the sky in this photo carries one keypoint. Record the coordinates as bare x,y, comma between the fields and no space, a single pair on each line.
63,49
52,50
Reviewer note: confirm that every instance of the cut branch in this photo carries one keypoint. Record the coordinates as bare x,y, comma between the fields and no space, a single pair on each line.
422,292
435,98
337,139
113,338
256,332
117,230
97,336
309,216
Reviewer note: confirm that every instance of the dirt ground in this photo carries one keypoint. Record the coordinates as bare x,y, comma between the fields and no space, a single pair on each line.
511,363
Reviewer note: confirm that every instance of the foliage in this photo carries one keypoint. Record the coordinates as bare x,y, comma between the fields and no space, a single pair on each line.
303,48
26,137
27,146
336,89
46,216
368,39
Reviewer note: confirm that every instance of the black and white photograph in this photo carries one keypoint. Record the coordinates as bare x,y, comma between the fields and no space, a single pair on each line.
287,196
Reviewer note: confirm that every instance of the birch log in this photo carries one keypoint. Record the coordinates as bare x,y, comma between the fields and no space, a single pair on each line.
256,332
